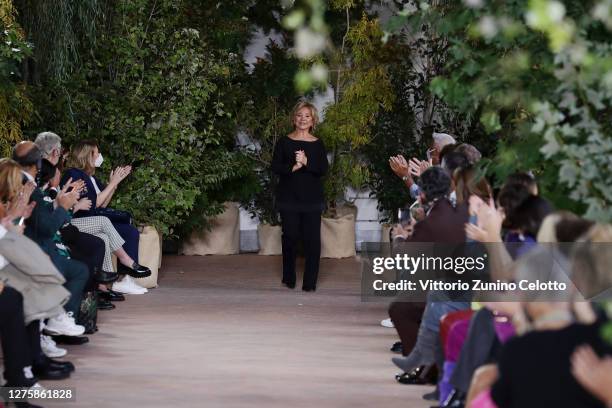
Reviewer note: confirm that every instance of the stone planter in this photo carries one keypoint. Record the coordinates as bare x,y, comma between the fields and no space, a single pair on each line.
149,254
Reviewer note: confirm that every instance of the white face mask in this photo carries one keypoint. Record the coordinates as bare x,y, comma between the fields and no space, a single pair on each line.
99,160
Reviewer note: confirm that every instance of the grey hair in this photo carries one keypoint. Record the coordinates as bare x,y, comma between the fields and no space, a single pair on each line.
47,141
443,139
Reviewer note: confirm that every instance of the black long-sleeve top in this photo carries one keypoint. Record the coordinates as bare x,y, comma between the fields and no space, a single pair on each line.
301,190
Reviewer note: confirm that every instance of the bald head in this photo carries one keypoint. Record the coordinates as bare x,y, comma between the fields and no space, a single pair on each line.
28,155
21,149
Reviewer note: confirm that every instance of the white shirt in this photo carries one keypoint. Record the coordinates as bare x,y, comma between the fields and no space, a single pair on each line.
93,180
3,261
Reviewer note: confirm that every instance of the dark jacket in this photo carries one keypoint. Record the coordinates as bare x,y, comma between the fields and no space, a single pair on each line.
444,224
89,191
44,223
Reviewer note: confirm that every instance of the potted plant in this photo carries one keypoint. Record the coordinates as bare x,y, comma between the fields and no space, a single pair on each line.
362,87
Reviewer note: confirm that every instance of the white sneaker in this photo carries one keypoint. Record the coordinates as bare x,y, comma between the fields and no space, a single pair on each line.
64,324
387,323
50,348
129,287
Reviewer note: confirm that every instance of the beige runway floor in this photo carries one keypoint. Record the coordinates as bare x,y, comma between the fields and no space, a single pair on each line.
221,331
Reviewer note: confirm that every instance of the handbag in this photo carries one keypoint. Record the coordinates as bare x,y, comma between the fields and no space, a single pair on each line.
88,312
116,216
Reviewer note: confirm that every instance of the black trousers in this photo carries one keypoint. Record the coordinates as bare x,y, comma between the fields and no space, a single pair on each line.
307,227
406,317
86,248
16,339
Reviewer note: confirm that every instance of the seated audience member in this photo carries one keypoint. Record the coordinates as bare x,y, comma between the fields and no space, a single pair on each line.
525,179
83,247
14,338
408,170
546,381
99,226
84,159
28,270
482,344
42,227
443,224
470,151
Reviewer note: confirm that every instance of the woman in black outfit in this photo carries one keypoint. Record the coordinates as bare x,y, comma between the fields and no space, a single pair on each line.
300,160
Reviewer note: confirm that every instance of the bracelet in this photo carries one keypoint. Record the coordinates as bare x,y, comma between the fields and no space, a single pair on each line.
405,178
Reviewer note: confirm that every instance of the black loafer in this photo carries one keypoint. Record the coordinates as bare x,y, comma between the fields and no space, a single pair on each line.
61,365
71,340
49,373
103,277
136,271
111,296
104,304
397,347
419,376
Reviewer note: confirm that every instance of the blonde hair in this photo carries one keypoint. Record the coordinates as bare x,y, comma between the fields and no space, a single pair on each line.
313,112
80,156
10,179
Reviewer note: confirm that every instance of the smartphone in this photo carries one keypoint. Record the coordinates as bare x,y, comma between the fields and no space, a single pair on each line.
403,216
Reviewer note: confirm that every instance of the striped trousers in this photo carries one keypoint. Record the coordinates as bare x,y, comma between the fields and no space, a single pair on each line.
102,228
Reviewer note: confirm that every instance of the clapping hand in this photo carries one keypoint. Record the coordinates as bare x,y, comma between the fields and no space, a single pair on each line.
300,158
82,204
67,199
402,231
119,174
7,222
593,372
417,167
489,222
399,166
21,206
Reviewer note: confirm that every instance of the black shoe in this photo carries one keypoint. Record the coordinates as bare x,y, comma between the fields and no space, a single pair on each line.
289,285
397,347
71,340
61,365
136,271
43,361
456,399
309,288
50,373
104,304
419,376
111,296
103,277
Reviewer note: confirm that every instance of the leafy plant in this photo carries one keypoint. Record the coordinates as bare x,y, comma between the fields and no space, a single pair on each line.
534,74
362,87
15,106
155,95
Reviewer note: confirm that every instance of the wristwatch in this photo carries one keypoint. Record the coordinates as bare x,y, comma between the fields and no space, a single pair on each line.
404,178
